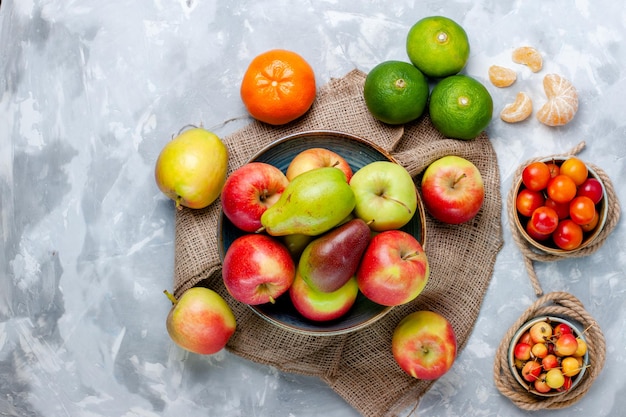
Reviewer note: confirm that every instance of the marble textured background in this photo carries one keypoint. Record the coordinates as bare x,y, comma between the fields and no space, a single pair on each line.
92,90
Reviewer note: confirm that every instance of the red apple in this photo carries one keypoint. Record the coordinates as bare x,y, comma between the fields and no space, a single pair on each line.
322,306
312,158
453,189
257,269
200,320
394,268
424,345
249,191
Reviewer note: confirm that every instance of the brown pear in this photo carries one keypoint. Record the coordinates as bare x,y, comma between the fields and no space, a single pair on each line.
329,261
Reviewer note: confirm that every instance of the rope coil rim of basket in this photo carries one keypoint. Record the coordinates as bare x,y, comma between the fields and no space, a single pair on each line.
559,304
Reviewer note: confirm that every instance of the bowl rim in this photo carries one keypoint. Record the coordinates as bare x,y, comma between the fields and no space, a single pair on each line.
590,238
333,134
527,325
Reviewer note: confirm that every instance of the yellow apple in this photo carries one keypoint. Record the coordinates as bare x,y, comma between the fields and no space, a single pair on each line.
192,167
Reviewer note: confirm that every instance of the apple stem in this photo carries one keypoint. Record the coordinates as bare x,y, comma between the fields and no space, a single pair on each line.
178,205
397,201
272,300
459,178
170,296
260,229
410,255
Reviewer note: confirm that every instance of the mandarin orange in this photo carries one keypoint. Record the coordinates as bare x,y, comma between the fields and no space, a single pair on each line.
529,56
501,76
278,87
519,110
562,102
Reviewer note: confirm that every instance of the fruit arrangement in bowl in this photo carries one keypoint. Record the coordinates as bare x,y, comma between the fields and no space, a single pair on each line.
322,233
560,204
548,355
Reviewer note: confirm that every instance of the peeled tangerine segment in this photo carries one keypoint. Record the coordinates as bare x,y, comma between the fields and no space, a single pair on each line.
529,56
519,110
501,76
562,102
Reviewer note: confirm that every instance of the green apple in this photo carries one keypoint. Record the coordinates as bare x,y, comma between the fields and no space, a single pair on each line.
200,321
191,169
424,345
385,194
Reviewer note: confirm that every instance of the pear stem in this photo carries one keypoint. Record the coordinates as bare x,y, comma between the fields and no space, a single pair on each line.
187,127
170,296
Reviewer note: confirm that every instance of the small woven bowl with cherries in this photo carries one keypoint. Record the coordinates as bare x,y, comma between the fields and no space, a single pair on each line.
548,355
561,204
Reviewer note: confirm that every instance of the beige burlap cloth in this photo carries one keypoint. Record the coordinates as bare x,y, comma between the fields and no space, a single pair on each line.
359,366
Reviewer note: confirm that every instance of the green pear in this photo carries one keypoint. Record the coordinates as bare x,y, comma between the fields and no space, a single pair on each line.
313,203
329,261
296,243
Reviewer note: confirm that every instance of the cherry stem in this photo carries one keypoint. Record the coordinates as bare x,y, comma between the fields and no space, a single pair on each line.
170,296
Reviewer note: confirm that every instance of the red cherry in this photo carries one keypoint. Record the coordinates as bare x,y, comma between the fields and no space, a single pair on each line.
591,188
